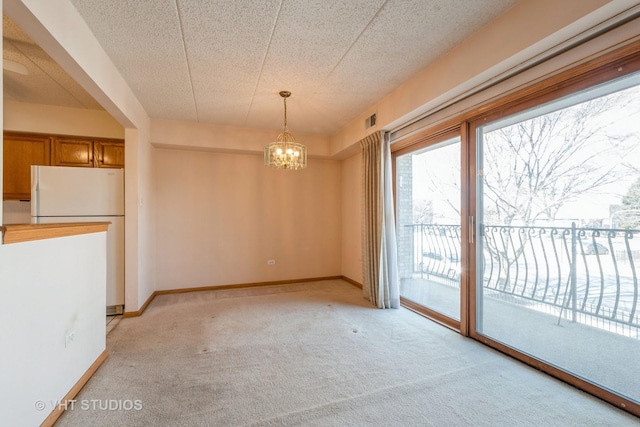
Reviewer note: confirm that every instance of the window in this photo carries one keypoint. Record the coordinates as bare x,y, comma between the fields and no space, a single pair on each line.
519,225
558,248
429,228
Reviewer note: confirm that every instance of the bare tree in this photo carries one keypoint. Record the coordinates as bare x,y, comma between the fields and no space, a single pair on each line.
423,212
534,167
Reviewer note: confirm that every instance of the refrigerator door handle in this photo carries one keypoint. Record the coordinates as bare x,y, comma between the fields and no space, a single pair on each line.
34,191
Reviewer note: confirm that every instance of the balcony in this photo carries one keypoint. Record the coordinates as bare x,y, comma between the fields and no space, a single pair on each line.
567,295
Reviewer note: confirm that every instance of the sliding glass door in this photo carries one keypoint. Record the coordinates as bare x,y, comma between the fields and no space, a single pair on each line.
518,224
558,235
429,228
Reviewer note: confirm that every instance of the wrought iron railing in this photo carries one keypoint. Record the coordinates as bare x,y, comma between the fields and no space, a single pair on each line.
585,274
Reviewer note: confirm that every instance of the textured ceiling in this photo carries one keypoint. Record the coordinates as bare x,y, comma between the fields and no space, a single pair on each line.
224,61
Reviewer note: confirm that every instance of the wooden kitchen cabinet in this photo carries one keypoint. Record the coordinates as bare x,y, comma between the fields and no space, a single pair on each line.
21,150
108,154
19,153
72,152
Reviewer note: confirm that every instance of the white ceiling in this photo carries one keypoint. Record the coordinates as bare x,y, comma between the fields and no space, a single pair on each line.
224,61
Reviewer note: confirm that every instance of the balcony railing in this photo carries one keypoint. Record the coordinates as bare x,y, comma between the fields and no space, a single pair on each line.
588,275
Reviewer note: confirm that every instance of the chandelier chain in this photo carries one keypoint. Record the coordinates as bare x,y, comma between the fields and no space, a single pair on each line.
285,114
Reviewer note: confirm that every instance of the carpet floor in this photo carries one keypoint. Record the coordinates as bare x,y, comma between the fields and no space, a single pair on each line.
314,354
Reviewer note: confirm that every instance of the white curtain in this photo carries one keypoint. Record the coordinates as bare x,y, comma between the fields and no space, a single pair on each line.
381,284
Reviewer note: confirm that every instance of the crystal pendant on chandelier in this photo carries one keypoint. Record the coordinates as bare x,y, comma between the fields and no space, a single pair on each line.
285,152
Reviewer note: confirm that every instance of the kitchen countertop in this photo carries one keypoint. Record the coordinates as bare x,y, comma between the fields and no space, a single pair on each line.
14,233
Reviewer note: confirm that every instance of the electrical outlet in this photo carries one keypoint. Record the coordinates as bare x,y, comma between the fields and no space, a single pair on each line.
271,262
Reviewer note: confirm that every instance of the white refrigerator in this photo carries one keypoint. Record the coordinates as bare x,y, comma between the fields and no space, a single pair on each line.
76,194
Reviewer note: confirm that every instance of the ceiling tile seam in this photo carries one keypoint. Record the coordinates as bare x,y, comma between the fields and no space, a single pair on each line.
186,57
47,74
264,60
346,52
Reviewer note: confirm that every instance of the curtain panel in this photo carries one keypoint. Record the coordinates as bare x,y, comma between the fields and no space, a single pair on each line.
381,284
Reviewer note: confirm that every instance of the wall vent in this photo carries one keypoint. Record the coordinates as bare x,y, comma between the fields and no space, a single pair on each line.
370,121
115,309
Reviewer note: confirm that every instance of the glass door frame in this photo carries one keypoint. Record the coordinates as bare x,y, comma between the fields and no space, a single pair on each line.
418,142
608,67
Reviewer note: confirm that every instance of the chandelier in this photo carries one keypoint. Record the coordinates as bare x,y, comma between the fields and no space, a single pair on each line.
285,152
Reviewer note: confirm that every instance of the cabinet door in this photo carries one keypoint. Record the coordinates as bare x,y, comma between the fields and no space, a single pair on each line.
72,152
108,154
19,153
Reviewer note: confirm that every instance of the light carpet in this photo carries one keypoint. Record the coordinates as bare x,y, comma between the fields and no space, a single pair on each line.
314,354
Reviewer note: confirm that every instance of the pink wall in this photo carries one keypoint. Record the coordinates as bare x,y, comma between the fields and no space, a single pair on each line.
212,137
221,216
352,217
24,117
